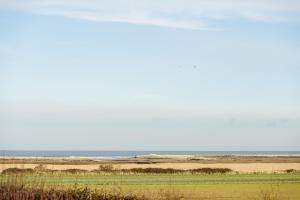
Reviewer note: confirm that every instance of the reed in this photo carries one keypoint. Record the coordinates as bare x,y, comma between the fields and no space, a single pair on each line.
19,191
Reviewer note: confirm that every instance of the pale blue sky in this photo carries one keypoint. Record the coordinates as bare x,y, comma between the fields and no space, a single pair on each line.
150,75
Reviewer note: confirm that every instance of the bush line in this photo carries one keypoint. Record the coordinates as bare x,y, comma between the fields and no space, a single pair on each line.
110,169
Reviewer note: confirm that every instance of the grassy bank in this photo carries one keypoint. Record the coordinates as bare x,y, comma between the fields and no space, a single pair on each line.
158,179
188,186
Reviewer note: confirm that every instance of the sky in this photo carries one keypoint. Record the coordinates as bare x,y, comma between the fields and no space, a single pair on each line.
150,75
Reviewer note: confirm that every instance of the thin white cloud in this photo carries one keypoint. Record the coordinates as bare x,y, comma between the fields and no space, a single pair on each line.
190,14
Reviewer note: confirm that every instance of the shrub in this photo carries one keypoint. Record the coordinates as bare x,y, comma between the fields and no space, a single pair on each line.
290,170
106,168
17,171
211,170
154,170
40,168
74,171
173,171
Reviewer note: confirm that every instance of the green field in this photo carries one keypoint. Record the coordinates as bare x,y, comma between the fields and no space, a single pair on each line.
197,186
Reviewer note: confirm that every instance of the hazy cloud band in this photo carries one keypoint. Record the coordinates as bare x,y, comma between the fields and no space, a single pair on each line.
189,14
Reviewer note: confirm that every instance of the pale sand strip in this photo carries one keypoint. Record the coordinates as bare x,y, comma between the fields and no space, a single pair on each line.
241,167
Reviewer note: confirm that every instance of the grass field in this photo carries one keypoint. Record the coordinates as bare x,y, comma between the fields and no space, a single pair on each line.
191,186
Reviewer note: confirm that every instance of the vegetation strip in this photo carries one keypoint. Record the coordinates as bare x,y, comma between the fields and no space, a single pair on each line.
22,192
157,179
111,169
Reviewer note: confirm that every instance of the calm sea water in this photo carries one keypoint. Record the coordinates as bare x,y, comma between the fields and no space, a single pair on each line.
115,154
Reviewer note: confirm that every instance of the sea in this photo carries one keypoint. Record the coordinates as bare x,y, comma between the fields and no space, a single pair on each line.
127,154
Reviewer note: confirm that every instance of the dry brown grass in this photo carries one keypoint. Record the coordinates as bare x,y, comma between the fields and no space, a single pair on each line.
271,193
22,192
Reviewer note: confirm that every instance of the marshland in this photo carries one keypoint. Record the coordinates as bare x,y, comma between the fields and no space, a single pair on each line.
65,178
